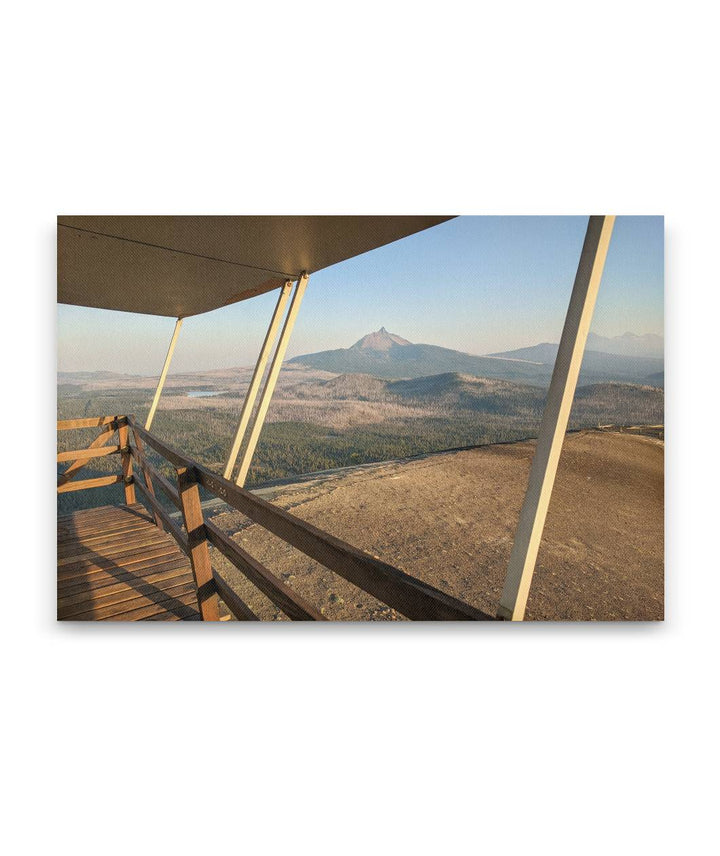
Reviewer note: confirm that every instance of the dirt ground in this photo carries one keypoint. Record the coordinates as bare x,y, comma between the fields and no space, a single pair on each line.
450,519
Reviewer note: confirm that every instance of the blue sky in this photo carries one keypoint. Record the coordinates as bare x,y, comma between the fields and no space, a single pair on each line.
476,284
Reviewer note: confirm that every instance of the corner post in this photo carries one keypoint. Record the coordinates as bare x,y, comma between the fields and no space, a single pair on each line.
272,377
126,455
252,392
198,545
555,419
163,374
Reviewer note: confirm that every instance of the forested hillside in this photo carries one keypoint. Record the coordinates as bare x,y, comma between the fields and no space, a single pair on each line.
323,423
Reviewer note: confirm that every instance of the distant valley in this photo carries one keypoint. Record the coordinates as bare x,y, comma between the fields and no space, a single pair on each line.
322,418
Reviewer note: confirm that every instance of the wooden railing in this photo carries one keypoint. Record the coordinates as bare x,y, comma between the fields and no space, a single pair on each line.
109,426
409,596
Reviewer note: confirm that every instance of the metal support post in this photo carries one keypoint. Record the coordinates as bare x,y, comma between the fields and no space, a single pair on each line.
272,377
555,419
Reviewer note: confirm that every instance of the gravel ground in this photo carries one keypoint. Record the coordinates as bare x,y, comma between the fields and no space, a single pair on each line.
450,519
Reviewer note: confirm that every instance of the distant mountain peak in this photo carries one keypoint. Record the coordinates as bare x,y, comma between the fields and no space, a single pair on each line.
628,344
379,341
387,355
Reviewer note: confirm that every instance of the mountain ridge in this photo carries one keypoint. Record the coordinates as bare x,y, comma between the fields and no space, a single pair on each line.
390,356
647,346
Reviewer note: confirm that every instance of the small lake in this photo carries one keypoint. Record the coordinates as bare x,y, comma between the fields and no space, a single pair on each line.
205,393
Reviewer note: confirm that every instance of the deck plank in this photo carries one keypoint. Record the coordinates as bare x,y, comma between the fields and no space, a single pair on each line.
110,548
114,564
109,583
69,575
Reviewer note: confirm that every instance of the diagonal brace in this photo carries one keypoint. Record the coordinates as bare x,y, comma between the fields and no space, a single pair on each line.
163,374
271,380
254,387
555,419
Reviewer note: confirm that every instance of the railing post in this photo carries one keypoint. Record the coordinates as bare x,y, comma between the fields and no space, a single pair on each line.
197,541
146,474
124,442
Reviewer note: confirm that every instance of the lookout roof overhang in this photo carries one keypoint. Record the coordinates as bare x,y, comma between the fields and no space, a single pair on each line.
185,265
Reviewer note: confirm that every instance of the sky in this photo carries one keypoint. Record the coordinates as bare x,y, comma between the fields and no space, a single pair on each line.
475,284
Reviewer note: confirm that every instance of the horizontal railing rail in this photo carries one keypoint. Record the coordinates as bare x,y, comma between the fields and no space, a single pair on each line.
168,523
108,424
280,594
91,422
238,607
86,454
158,478
86,484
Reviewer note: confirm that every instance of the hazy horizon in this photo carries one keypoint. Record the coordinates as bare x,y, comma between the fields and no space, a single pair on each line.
480,285
174,372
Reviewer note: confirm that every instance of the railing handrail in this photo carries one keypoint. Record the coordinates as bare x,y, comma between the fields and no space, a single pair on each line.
79,458
411,597
291,603
92,422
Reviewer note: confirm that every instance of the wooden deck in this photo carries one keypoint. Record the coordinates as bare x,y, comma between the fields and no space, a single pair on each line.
119,563
115,564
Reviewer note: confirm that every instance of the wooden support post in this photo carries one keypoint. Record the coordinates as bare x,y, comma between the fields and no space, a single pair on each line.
256,378
163,374
126,456
272,377
147,475
555,419
198,545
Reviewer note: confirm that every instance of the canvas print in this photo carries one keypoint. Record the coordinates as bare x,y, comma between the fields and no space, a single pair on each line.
360,418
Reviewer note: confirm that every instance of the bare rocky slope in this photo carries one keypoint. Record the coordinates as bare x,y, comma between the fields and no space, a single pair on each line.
450,519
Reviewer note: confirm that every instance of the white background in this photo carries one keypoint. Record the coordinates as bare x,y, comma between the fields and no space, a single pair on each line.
359,739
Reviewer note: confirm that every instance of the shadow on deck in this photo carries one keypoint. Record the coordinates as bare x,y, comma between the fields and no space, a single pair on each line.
114,563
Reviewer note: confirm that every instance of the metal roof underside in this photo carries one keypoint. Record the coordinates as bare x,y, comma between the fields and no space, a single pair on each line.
185,265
